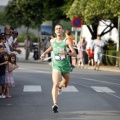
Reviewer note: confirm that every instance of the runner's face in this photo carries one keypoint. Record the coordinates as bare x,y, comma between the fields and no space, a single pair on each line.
59,30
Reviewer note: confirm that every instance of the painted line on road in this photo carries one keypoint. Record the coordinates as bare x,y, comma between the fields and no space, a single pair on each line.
69,89
90,87
102,89
109,83
32,88
35,71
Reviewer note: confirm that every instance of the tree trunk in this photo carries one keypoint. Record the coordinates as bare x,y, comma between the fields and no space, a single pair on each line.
27,30
93,31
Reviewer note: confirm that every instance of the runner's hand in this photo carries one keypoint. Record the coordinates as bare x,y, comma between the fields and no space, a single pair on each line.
42,56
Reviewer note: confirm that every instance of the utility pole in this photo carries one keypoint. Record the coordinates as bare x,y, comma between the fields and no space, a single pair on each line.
118,42
118,45
39,38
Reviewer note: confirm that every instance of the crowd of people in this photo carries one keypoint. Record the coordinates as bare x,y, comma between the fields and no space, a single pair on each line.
8,47
66,54
93,49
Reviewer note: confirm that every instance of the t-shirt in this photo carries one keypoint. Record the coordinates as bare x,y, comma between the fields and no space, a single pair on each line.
7,48
90,52
2,67
71,39
89,44
98,49
10,40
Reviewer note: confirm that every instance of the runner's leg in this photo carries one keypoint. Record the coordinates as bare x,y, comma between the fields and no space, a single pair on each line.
55,77
65,80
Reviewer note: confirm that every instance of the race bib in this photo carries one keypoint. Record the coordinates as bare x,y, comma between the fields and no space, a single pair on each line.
59,57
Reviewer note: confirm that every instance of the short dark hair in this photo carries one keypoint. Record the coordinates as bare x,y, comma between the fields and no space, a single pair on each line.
15,32
60,25
98,35
2,36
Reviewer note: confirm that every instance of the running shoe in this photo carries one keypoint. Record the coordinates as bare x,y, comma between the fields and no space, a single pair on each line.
55,108
3,96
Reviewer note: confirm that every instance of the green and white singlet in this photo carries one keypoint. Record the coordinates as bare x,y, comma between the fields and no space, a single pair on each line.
60,62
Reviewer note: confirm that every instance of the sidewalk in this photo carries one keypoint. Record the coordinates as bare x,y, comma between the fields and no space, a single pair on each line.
21,58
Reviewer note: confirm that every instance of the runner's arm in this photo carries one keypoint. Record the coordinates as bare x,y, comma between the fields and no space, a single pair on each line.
46,52
70,46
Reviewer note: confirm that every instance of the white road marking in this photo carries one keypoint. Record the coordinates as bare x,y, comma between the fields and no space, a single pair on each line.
32,88
96,80
69,89
102,89
35,71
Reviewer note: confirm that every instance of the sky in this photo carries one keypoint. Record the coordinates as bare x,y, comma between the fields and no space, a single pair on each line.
3,2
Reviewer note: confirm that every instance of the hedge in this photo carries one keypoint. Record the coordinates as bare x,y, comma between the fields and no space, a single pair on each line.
108,60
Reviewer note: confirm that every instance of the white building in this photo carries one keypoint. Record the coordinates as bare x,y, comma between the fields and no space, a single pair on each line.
113,34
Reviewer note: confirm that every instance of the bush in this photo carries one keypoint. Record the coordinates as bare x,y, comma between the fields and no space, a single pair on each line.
109,60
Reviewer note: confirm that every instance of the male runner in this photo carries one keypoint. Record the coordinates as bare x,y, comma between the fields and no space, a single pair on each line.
60,62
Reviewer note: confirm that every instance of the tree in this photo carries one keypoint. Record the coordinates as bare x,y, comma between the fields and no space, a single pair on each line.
93,11
2,20
54,10
25,12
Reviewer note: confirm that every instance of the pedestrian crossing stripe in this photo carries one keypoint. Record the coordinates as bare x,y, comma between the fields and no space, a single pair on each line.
69,89
32,88
102,89
37,88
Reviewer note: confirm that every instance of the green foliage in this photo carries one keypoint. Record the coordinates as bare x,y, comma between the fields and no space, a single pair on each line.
2,20
24,12
92,10
53,10
108,60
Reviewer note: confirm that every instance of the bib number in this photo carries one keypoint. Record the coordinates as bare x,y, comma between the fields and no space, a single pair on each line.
59,57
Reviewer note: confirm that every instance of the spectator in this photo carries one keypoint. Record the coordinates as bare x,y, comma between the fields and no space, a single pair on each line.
74,59
27,46
41,46
81,52
2,40
90,52
8,44
98,45
3,64
9,79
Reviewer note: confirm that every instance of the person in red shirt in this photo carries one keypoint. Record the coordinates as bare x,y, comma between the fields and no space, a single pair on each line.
90,53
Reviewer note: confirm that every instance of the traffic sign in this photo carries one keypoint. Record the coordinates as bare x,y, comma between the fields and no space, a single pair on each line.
76,29
76,22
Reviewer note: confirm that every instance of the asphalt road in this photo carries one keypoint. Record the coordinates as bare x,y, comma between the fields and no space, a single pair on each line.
91,95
